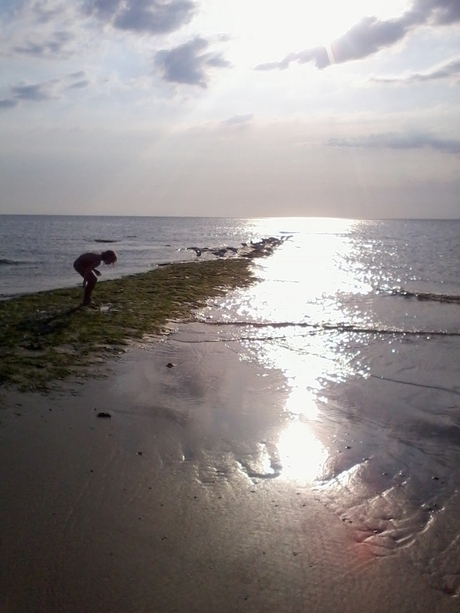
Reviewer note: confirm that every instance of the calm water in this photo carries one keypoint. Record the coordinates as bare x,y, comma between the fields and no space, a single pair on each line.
363,320
37,252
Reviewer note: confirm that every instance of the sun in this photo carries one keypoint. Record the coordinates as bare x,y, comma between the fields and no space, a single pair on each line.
261,31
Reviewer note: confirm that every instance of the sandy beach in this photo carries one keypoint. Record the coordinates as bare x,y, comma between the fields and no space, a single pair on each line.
177,501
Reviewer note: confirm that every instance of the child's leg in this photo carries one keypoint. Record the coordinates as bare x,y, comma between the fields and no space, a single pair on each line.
90,279
82,272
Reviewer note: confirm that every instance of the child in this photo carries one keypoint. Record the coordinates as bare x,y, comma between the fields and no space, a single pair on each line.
86,265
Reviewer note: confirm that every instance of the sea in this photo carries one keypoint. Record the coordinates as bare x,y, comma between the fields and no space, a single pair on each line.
362,317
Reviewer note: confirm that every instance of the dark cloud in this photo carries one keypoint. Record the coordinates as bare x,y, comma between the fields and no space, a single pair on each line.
39,92
317,55
187,64
371,34
79,80
45,13
400,141
439,12
30,92
145,16
9,7
35,92
79,84
54,46
450,70
77,75
8,103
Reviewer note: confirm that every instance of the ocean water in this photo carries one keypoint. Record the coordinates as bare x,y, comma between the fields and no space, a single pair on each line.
37,252
363,320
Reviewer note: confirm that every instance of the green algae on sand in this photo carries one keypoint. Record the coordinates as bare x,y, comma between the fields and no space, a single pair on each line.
45,336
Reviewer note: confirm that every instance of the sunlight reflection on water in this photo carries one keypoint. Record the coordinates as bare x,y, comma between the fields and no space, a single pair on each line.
302,455
279,322
369,419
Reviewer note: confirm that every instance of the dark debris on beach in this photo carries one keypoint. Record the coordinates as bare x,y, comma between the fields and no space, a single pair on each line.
47,336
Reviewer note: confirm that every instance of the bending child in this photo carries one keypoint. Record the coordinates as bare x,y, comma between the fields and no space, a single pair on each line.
86,265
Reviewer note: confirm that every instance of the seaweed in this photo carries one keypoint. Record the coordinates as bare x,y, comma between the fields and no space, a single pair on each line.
47,336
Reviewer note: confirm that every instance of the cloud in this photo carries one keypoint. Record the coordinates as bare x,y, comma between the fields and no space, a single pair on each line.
8,103
187,64
46,28
80,84
370,35
26,92
46,11
36,92
449,70
47,90
438,12
318,55
54,46
239,120
80,74
144,16
391,140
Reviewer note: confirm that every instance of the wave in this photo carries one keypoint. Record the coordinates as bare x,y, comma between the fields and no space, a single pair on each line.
6,262
104,240
431,387
428,296
339,327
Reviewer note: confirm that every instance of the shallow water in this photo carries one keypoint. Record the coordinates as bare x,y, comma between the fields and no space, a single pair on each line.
371,376
360,322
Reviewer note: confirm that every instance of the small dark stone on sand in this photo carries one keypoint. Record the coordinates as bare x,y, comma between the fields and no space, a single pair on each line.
169,365
103,415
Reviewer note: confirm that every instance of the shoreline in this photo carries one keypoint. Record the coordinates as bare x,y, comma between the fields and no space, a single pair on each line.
163,507
47,336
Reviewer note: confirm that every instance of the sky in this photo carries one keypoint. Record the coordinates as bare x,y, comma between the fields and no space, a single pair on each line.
248,108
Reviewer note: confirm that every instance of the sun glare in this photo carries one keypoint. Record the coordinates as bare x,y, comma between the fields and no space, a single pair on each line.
302,456
261,31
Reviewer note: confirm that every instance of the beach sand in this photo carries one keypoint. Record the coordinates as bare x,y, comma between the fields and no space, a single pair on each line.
167,506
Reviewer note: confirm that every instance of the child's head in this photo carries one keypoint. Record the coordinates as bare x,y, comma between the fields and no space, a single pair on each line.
109,257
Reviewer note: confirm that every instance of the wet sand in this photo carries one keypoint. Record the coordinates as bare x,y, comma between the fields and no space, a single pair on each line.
177,502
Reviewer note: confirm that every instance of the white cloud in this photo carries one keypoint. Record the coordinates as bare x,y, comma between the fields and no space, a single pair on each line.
371,34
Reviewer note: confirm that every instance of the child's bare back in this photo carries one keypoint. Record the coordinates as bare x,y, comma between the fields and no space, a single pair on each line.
86,266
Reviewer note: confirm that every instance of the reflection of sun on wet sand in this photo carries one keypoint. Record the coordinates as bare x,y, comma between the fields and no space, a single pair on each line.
173,504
